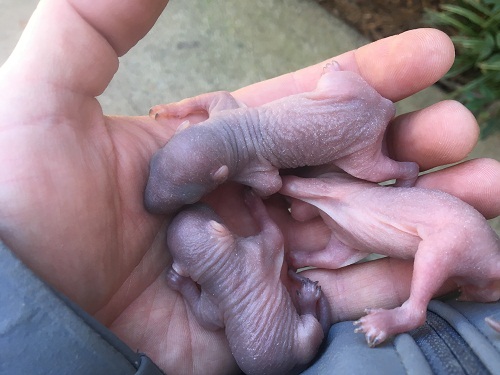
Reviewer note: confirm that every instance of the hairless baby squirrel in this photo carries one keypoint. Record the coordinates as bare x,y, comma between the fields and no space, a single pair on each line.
342,122
238,284
447,238
228,281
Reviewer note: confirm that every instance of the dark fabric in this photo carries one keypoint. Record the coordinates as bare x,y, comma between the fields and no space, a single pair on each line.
445,350
454,340
42,332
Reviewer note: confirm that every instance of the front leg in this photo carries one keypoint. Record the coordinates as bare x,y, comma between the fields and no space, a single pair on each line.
209,103
261,176
205,311
308,294
380,324
269,241
314,320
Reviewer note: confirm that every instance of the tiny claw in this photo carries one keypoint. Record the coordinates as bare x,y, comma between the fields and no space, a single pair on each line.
153,112
374,342
368,310
332,66
157,115
357,322
495,324
358,330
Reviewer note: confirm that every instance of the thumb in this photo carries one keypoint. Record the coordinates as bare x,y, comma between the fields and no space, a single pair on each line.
76,44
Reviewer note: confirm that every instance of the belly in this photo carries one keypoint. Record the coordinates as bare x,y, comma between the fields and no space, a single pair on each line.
369,233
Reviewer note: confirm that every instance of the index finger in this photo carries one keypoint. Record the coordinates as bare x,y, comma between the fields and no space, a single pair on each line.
397,67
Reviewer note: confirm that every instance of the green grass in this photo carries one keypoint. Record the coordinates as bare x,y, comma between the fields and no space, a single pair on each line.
474,26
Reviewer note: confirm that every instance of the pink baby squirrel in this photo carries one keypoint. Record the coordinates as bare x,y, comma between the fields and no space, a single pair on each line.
447,238
239,284
341,122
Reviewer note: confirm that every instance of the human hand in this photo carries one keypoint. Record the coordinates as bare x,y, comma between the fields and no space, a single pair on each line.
72,180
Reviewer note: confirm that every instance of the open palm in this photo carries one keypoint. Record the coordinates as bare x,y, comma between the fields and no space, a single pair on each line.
72,180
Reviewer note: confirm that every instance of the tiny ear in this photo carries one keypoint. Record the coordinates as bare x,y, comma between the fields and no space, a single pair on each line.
220,175
218,229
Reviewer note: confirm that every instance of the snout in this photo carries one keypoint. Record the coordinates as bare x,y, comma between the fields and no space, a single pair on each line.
157,202
164,197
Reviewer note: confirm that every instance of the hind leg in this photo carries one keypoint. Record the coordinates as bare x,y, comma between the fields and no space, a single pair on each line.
431,270
382,168
206,312
209,103
405,172
335,255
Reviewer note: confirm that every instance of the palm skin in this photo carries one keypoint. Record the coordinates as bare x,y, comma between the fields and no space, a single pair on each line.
72,180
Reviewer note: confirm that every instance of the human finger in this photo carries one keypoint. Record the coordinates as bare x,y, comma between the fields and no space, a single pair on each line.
122,23
476,182
382,283
396,67
440,134
76,44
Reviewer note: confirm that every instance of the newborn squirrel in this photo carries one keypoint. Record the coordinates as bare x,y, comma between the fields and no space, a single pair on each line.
228,281
447,238
238,284
342,122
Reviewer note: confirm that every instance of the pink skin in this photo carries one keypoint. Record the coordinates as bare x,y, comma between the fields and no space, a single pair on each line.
239,284
448,239
342,122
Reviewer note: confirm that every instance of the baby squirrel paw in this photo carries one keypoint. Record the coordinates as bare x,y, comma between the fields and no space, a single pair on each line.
174,280
374,326
308,295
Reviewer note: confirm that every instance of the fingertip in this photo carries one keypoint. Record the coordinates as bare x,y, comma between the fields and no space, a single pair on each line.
401,65
443,133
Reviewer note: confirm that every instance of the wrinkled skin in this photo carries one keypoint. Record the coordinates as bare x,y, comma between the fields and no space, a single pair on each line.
447,238
72,180
342,122
241,289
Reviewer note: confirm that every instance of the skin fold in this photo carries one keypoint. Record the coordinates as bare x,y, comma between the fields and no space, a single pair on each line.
72,179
